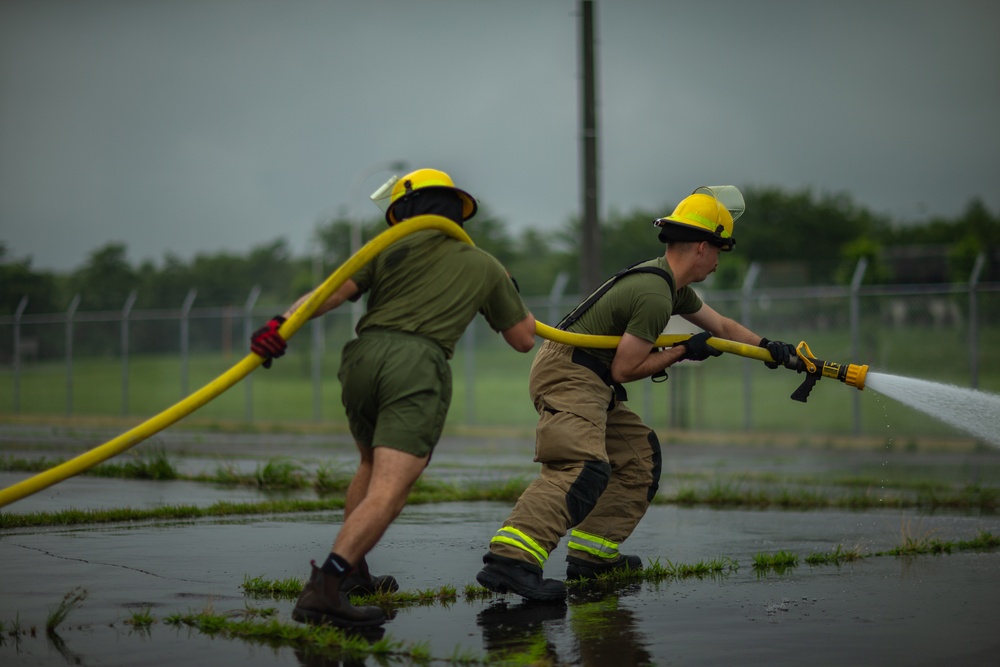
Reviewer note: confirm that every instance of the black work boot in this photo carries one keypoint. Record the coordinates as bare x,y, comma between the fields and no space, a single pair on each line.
509,575
323,602
361,582
578,568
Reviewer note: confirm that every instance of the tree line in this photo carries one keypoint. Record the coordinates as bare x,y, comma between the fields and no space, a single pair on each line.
805,236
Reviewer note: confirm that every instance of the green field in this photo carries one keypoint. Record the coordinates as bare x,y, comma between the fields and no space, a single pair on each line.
728,395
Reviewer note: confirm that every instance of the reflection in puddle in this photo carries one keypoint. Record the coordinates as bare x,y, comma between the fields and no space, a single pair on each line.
521,630
601,630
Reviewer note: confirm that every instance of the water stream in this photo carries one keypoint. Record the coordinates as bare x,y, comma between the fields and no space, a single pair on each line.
973,411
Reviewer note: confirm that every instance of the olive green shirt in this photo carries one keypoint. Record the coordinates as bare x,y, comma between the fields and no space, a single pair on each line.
432,285
639,304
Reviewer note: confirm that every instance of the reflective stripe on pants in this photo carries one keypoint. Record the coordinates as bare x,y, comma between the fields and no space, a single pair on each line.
515,538
593,545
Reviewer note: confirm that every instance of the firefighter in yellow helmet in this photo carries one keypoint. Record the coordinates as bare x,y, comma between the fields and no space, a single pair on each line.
600,463
423,291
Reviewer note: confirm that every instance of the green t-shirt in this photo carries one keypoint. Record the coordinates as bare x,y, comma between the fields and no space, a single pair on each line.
639,304
430,284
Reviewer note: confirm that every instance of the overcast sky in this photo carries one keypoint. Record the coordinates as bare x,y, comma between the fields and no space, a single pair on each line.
218,125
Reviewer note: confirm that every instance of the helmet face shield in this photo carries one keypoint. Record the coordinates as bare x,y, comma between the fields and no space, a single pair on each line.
381,197
728,195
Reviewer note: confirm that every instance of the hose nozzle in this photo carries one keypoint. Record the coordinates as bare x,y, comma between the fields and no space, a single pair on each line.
850,374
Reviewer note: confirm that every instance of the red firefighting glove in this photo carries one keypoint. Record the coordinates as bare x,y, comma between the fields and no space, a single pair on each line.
267,342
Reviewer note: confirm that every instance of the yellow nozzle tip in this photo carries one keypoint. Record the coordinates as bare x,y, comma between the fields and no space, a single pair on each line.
856,376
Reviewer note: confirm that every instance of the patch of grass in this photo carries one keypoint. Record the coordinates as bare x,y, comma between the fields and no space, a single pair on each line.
154,465
920,547
656,571
173,512
981,542
477,592
12,464
142,619
713,567
429,491
854,492
276,474
724,494
728,494
389,600
70,601
326,641
835,557
280,474
778,562
330,479
290,588
277,589
971,496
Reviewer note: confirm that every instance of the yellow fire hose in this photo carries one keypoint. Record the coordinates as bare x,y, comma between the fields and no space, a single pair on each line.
804,361
814,368
249,363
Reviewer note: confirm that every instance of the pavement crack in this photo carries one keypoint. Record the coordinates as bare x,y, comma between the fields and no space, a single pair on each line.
98,562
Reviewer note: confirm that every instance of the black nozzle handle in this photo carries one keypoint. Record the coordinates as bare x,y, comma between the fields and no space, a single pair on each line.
802,393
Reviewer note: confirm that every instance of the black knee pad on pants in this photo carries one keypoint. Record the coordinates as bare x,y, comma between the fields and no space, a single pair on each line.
654,444
586,489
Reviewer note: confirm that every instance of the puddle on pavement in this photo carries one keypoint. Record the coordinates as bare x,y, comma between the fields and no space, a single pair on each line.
875,611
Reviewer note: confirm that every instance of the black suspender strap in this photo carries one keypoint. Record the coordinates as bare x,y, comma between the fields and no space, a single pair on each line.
602,290
582,358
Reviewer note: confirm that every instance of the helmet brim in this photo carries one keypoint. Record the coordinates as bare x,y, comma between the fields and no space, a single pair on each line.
469,204
672,231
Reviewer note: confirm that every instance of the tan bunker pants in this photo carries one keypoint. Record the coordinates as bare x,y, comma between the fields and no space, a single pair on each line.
600,465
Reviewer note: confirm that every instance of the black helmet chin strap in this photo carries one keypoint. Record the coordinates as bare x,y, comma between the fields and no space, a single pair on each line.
670,233
429,201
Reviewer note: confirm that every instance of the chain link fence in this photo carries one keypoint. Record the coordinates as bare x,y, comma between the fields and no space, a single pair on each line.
135,363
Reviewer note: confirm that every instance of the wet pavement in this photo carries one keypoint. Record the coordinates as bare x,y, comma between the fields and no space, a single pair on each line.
923,610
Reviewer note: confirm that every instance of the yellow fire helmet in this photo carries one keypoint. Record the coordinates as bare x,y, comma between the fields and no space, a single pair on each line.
707,214
422,179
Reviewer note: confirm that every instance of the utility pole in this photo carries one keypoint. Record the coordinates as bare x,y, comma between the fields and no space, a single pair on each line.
590,245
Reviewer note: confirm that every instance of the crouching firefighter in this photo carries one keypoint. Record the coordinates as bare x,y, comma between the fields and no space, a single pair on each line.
600,464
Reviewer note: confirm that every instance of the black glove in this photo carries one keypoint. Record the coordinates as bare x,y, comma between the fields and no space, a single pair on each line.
782,353
698,349
267,342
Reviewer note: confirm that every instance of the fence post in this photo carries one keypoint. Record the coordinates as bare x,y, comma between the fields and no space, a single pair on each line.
556,295
856,279
746,317
74,304
317,339
469,345
977,269
247,333
126,309
317,367
185,336
17,352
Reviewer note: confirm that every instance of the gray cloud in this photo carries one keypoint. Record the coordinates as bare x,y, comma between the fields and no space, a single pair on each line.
218,125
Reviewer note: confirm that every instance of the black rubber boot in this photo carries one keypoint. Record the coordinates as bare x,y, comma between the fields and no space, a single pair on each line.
361,582
578,568
509,575
323,602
